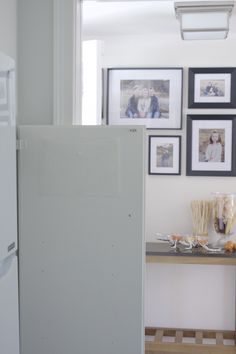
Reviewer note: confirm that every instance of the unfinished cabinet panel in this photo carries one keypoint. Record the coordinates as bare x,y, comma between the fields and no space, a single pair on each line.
81,200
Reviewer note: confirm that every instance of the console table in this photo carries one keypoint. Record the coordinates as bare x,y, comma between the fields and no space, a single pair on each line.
162,253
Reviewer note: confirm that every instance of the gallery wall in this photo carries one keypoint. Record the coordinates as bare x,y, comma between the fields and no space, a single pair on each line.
178,295
171,51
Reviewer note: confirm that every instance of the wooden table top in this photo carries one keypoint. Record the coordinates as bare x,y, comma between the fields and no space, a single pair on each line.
159,252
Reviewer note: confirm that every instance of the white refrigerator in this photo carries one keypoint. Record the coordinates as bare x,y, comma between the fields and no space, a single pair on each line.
9,316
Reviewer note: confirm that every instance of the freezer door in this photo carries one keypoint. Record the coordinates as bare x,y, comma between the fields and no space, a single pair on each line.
81,197
8,205
9,318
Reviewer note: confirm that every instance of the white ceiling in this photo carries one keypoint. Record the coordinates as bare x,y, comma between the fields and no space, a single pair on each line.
115,18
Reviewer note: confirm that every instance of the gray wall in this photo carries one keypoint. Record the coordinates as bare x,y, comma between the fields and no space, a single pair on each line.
35,61
46,42
8,27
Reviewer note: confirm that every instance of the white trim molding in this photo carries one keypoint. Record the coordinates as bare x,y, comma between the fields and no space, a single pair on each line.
66,61
77,108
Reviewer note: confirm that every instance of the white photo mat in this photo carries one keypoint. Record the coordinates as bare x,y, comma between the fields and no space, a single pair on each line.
211,78
213,125
157,141
115,76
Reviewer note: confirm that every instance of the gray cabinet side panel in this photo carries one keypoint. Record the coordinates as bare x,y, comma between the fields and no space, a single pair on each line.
81,243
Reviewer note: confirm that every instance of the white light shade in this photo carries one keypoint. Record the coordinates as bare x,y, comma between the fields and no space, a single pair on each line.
204,19
204,35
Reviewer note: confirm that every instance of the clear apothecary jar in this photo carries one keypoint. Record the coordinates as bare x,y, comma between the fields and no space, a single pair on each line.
223,213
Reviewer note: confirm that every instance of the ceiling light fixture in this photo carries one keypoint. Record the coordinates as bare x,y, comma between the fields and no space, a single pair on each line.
204,19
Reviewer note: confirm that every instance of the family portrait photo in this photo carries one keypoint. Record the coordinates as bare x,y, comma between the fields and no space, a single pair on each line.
144,99
212,88
211,145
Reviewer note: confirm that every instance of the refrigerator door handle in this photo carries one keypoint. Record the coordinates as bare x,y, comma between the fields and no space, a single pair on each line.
5,265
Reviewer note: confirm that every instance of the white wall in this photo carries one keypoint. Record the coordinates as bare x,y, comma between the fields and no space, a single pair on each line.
8,27
174,293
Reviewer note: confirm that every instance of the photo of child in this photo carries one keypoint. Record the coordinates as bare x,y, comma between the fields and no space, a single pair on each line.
132,105
211,145
164,155
144,102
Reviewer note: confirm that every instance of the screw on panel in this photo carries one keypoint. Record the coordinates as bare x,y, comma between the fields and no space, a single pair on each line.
21,144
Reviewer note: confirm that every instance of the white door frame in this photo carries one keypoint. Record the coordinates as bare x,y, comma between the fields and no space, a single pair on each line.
66,61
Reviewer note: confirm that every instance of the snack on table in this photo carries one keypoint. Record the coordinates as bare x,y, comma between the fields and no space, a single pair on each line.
229,246
176,237
188,241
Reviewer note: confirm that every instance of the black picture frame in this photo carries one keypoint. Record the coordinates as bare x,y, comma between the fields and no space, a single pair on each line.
168,88
202,159
212,87
165,158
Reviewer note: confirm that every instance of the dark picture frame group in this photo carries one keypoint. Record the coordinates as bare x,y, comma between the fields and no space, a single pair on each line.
145,96
212,87
164,155
211,148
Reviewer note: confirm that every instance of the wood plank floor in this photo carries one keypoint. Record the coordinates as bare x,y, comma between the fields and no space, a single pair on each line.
189,341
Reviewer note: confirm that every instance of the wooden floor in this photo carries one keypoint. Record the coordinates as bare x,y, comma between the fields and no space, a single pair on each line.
181,341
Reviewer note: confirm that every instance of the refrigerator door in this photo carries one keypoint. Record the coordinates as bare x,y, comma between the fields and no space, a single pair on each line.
81,197
9,319
8,204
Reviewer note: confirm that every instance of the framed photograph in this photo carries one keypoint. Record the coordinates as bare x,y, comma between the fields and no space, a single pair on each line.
164,155
212,88
210,145
150,97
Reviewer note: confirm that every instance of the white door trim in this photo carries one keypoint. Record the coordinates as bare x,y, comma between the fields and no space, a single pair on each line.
66,61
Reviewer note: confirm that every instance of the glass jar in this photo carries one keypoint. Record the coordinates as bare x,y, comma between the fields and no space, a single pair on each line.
223,213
